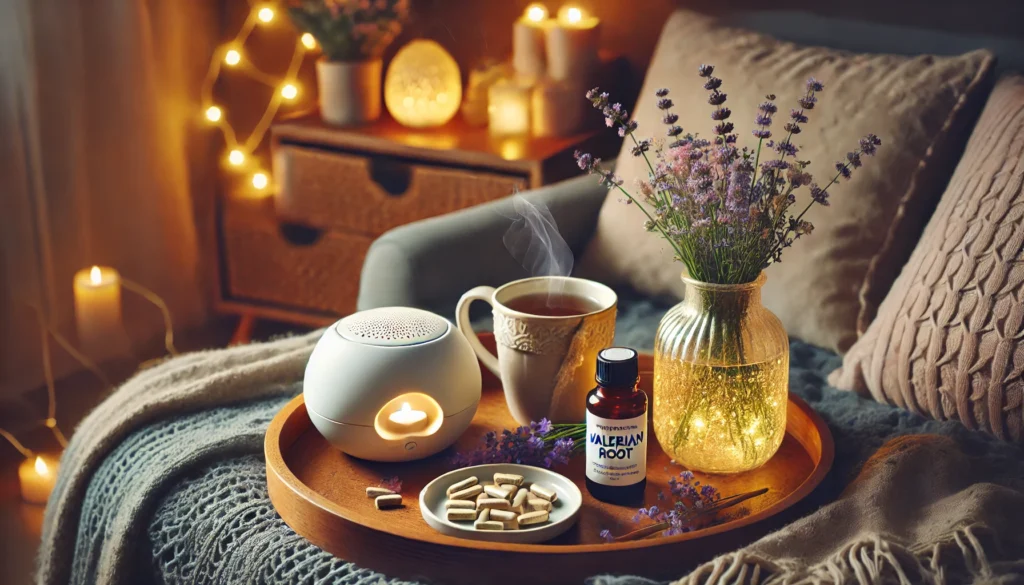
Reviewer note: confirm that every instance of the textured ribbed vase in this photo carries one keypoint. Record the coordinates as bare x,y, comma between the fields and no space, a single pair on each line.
721,378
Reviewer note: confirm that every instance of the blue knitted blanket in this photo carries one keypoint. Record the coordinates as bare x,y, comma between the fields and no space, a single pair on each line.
197,488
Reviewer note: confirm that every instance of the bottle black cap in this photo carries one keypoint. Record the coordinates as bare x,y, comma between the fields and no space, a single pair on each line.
617,367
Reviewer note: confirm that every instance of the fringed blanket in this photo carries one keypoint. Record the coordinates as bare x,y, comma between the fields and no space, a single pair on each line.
164,483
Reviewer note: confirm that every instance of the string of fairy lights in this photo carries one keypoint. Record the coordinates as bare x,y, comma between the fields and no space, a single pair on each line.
239,157
232,55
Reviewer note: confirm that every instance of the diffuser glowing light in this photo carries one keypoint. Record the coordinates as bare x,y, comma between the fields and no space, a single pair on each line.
308,41
236,157
232,57
260,181
423,85
213,114
289,91
266,14
407,416
392,384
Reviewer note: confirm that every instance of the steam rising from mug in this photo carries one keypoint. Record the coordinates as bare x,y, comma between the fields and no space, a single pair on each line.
533,240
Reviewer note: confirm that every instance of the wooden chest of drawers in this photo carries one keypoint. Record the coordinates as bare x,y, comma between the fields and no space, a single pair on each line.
297,256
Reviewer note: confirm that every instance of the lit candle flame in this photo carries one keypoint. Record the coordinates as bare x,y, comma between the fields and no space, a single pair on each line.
536,12
574,15
41,467
406,415
96,278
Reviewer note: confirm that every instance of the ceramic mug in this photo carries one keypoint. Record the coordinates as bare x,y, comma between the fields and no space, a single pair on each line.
546,363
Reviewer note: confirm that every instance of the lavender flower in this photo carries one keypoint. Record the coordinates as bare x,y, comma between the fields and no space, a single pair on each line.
786,148
642,146
869,144
665,103
844,169
724,128
716,98
814,85
798,116
807,102
705,70
670,119
661,92
721,114
712,83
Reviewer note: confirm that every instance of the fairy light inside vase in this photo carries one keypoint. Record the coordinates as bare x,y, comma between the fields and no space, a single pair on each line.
719,418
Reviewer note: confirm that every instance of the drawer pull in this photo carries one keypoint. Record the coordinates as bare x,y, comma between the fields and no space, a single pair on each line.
391,175
300,235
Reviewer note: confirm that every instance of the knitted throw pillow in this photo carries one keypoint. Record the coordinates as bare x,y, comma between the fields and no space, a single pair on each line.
921,107
949,338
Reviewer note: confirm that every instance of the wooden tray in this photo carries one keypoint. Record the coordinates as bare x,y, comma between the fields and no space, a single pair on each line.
319,492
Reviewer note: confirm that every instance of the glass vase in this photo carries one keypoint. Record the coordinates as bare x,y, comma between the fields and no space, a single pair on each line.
721,378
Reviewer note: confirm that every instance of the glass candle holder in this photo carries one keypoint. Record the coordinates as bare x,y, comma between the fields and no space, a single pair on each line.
721,378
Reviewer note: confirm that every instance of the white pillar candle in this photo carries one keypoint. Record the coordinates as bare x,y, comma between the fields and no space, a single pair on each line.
557,108
572,43
508,108
98,310
474,101
528,41
37,476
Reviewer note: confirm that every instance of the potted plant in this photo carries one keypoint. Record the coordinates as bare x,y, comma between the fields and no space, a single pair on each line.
721,359
352,35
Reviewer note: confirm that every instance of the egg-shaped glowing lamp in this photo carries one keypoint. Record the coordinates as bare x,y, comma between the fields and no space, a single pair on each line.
423,86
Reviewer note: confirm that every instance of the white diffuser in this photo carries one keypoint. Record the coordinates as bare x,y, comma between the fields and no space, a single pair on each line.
392,384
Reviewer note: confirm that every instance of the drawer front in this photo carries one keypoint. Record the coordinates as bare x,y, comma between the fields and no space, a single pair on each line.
372,194
289,266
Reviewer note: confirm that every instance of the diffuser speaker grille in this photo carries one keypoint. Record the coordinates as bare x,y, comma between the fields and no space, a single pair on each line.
392,326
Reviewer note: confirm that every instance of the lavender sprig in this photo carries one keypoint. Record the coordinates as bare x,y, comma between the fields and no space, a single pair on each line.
541,444
686,503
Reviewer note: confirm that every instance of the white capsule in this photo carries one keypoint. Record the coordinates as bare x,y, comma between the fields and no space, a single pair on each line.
534,504
460,505
543,492
508,518
468,493
533,518
461,515
508,478
489,525
493,503
519,500
496,491
373,492
459,486
388,501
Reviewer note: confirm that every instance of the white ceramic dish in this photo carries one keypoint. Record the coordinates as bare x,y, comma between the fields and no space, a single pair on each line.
564,511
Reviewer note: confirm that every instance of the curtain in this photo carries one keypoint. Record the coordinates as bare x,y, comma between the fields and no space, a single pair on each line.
103,159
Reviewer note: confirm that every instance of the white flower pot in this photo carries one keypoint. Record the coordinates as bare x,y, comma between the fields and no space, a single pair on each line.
350,92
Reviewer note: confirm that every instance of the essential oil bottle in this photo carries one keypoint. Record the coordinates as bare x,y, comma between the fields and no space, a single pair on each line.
617,430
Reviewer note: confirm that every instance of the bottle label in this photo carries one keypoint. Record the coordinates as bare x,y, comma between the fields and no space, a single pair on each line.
616,450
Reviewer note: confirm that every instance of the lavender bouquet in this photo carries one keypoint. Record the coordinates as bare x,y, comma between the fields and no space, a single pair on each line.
727,211
350,30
